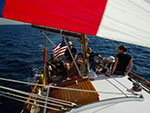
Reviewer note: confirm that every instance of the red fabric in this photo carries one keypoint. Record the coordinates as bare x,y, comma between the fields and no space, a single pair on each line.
82,16
45,56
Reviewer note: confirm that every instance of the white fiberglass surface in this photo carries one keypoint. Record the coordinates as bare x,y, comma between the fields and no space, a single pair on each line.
114,93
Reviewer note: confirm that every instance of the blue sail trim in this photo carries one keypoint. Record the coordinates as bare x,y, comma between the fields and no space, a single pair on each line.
2,3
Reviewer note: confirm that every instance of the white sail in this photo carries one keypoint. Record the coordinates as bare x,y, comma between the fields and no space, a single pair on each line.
127,21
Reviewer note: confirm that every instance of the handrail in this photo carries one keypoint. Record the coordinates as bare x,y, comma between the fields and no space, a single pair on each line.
33,90
140,78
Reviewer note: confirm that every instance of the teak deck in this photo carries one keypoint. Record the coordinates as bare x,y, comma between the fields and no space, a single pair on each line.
78,97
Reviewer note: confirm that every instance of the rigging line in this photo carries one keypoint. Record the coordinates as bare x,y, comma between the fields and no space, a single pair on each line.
31,103
119,82
73,89
23,97
40,97
47,93
123,85
92,91
72,57
48,38
117,87
61,32
21,82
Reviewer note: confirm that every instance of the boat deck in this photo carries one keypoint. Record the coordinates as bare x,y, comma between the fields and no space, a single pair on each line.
78,97
113,102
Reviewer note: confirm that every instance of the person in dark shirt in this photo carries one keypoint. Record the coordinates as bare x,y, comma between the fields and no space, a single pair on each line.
57,66
73,51
69,60
91,56
121,62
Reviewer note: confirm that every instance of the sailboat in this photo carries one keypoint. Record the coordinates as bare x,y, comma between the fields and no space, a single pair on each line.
126,21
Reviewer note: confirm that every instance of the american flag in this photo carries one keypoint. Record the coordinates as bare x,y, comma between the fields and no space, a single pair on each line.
60,49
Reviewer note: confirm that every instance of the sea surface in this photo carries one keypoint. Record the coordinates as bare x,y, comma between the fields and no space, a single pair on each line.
21,57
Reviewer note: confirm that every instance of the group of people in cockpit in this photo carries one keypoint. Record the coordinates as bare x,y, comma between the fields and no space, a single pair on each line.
109,66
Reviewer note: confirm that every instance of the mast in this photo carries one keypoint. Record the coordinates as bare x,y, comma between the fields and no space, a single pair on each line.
84,51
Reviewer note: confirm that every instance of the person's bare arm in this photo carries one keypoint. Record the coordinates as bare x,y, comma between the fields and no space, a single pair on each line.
75,56
114,66
130,67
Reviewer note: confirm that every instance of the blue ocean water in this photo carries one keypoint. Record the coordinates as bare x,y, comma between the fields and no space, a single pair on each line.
21,57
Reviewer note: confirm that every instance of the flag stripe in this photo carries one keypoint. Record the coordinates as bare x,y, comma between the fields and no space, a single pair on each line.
60,49
57,46
59,55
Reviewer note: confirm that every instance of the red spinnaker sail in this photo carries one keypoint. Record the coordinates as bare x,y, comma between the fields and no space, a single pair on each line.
82,16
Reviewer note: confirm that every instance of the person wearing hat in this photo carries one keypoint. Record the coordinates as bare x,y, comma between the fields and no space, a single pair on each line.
56,65
91,56
121,62
69,60
106,65
107,61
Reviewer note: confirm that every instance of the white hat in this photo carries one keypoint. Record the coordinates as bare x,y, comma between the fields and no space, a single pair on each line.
112,59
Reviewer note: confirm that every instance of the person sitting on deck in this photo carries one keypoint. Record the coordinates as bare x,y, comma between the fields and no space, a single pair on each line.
105,66
56,66
91,56
121,62
69,60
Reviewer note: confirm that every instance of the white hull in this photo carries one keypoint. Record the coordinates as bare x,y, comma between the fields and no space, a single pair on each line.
115,103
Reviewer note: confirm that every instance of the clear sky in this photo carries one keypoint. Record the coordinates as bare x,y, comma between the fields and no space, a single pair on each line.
8,22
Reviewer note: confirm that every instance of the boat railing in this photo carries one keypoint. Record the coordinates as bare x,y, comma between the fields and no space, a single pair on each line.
28,107
142,81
